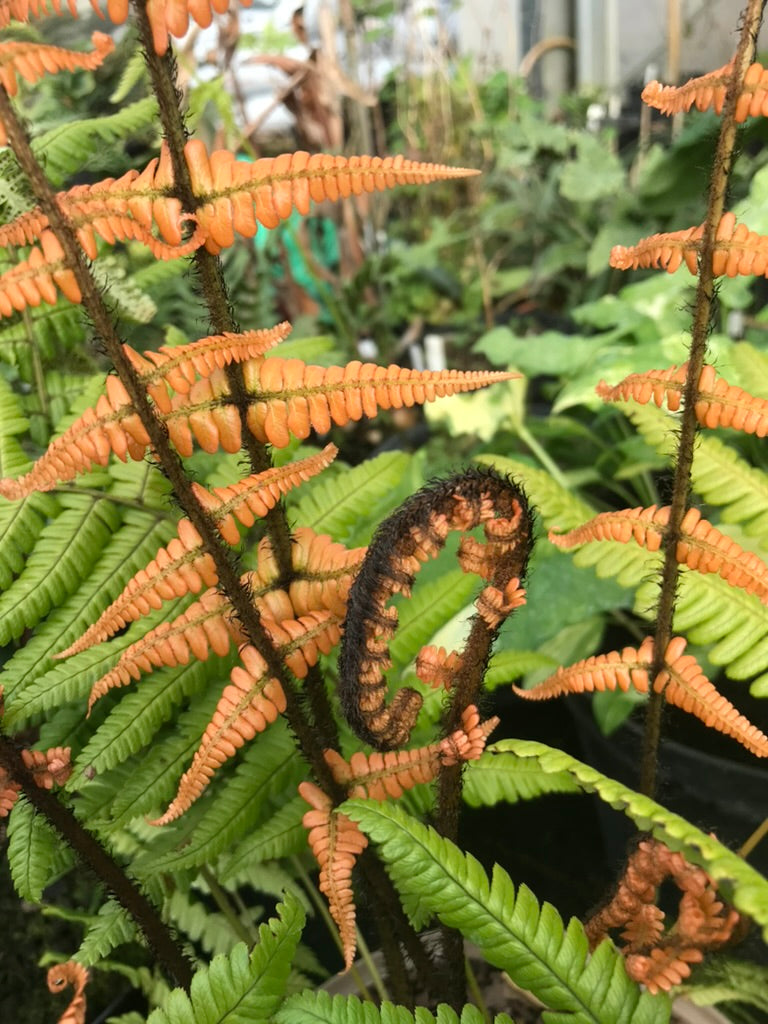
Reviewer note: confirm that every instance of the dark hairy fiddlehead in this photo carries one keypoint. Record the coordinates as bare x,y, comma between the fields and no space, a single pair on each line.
413,534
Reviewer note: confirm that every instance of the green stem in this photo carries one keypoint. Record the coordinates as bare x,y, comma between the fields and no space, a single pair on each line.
221,900
702,314
541,454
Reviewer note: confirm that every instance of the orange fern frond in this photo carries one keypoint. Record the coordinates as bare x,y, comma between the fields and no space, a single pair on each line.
252,701
183,567
239,196
436,667
718,403
379,776
234,197
336,843
35,279
708,93
287,397
33,60
323,572
468,742
291,398
623,669
60,976
737,251
47,767
684,684
655,958
681,681
254,497
207,625
181,365
701,546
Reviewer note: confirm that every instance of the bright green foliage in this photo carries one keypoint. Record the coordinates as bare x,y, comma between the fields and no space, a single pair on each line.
36,854
111,927
321,1008
496,777
513,931
240,988
745,887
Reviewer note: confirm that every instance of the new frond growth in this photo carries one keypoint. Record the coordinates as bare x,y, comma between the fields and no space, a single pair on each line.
47,768
33,60
681,681
253,700
60,977
737,251
654,957
708,93
336,843
701,546
410,537
718,403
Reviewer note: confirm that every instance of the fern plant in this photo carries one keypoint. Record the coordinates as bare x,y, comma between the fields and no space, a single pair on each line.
169,619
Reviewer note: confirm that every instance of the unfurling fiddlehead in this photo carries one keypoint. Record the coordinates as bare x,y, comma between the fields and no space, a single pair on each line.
414,534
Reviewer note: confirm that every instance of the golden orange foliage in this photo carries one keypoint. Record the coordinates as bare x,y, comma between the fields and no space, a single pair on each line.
336,842
701,546
654,957
708,93
737,251
60,976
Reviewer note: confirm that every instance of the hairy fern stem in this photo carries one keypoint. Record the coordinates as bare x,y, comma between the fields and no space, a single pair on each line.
93,854
702,315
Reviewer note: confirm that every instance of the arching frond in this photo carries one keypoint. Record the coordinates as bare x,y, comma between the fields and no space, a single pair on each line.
60,976
701,546
32,60
737,250
683,684
35,279
336,843
253,700
707,92
718,403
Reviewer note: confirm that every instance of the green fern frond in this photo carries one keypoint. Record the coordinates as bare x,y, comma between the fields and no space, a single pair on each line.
323,1008
44,333
719,474
64,553
743,886
154,779
110,928
132,724
282,835
336,502
34,682
494,778
239,988
267,772
514,932
36,854
65,149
